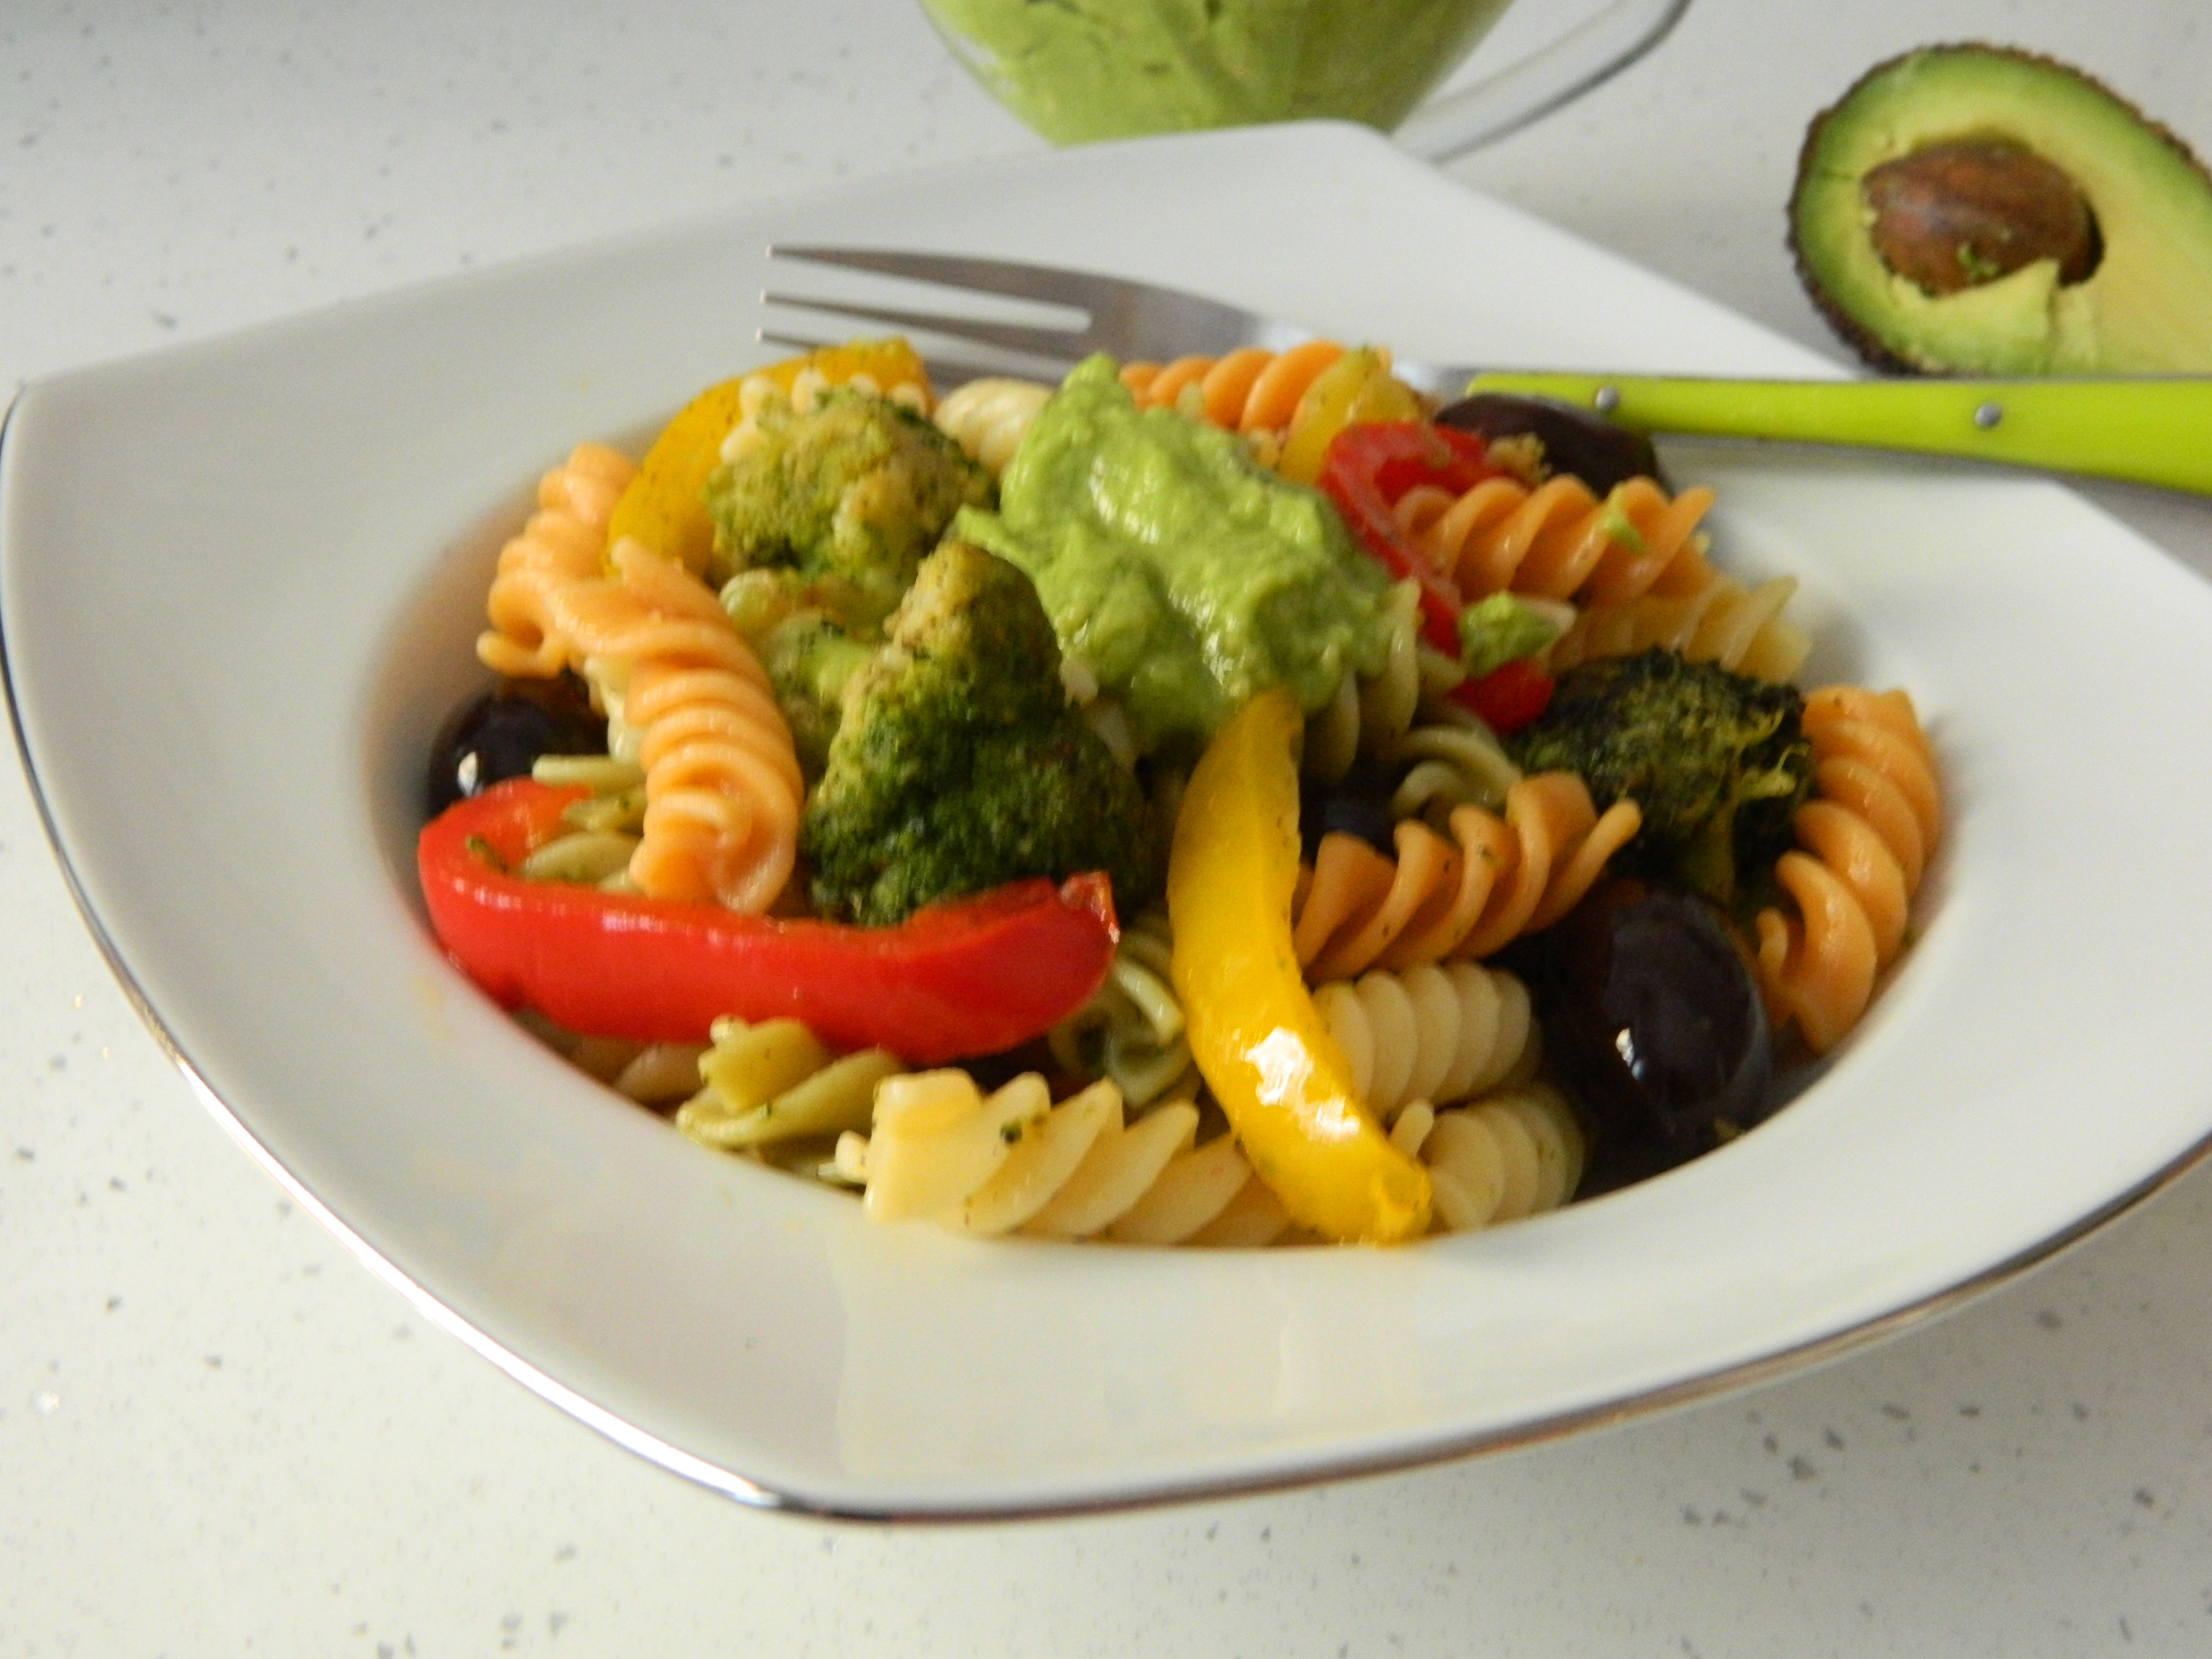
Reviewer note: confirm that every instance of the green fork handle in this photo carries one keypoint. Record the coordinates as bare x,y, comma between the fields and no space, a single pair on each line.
2154,430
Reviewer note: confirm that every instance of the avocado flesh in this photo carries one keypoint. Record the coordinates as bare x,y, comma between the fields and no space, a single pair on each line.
2147,306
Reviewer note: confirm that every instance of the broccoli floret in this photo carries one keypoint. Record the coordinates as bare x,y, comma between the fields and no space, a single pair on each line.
850,494
1718,761
959,765
810,660
808,653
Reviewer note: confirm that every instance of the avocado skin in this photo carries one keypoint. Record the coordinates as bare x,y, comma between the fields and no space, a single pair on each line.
1890,331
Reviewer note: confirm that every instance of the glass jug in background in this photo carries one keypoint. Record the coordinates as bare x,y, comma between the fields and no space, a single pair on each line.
1078,70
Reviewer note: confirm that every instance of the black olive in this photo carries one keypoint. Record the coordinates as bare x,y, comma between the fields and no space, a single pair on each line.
1655,1024
500,734
1581,445
1357,804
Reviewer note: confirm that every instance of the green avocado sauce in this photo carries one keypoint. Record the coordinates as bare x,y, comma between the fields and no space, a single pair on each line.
1183,574
1083,70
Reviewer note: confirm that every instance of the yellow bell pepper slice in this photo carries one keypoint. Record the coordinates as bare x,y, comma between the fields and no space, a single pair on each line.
886,365
661,505
662,508
1259,1041
1358,386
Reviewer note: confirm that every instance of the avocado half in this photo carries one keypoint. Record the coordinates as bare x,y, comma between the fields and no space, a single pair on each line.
2112,276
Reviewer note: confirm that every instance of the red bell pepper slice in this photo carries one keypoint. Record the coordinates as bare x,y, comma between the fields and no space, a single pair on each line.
968,976
1509,696
1366,471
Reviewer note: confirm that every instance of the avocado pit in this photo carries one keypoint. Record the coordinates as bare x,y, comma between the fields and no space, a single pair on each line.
1961,212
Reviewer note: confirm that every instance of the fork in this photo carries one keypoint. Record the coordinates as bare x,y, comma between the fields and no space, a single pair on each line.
2149,429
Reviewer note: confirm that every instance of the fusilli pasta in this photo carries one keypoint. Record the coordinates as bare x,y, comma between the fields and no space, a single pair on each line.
1741,630
602,831
989,416
700,795
1015,1160
1132,1030
661,1073
1494,879
1367,713
564,542
1866,836
1514,1153
1438,1034
772,1081
1288,406
1558,541
652,1073
1249,390
1451,759
688,701
587,858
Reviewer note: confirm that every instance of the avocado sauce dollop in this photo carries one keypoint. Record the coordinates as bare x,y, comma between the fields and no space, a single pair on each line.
1183,574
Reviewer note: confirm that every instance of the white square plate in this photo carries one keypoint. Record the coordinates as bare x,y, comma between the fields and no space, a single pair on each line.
240,583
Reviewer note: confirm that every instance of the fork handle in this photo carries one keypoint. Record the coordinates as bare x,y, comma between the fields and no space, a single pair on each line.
2151,429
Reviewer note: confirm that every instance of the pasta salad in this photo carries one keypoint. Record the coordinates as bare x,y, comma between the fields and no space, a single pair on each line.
1228,802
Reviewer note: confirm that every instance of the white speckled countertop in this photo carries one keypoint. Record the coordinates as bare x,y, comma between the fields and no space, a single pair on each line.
219,1435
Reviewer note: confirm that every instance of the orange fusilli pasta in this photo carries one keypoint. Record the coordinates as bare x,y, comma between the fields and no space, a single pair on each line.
1866,835
1286,405
1558,541
1253,390
1493,880
680,684
564,542
1741,629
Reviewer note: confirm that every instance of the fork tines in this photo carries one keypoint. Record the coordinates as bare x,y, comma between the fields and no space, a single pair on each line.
1078,290
1130,320
1055,348
1059,344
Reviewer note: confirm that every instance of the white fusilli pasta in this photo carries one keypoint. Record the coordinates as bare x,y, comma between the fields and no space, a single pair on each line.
1014,1160
989,417
1441,1035
1514,1153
